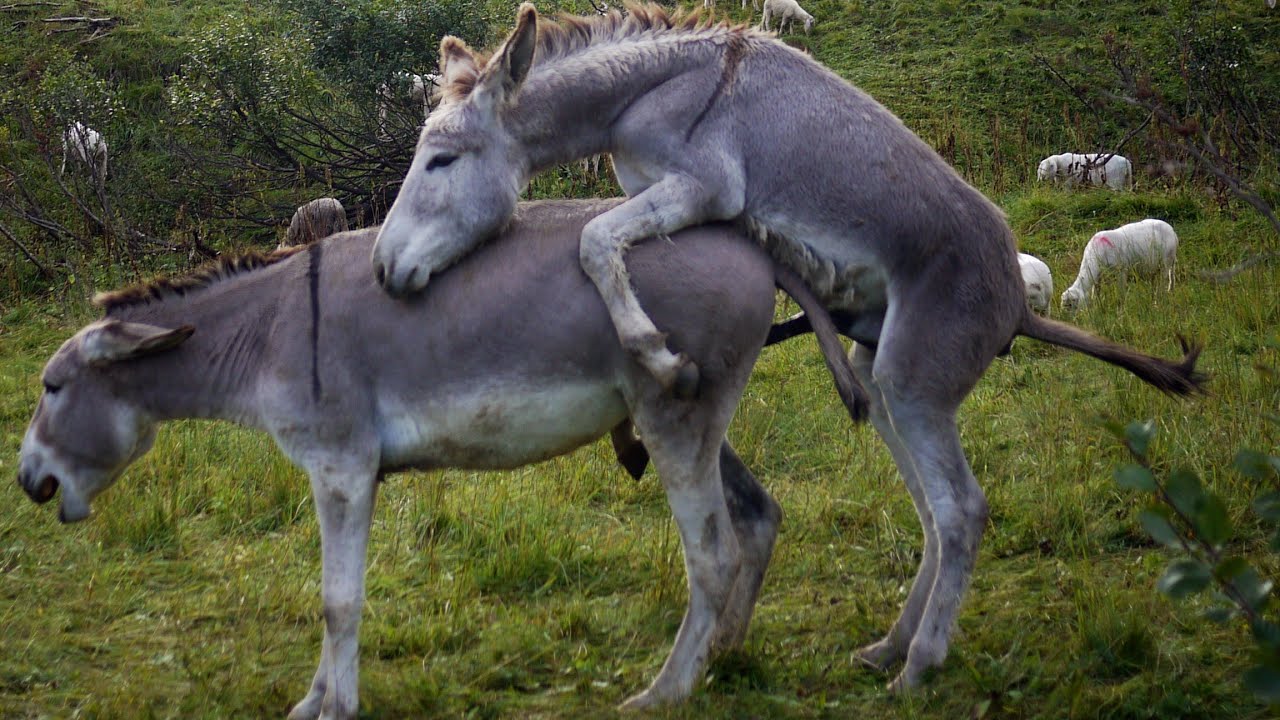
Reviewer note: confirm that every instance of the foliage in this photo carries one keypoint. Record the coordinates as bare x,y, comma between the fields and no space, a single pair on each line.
1187,517
358,44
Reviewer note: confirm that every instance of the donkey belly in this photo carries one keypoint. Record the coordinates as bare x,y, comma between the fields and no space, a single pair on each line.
843,273
493,426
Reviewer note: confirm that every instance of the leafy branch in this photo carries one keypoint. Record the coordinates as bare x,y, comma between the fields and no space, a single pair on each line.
1186,517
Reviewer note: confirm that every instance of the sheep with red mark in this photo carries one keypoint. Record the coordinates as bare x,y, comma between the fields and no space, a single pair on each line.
1144,245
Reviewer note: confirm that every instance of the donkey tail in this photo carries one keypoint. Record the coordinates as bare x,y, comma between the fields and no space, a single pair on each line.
851,392
1168,376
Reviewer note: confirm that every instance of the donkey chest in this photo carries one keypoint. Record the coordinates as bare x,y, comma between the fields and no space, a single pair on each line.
495,427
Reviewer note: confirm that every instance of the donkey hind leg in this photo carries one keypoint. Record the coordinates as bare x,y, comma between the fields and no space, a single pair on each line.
924,427
674,203
755,516
344,504
687,461
308,708
895,644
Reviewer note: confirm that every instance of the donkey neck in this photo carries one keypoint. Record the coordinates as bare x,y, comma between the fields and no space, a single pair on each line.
215,373
568,106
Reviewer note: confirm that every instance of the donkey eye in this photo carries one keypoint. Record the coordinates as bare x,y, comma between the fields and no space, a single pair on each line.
51,389
441,160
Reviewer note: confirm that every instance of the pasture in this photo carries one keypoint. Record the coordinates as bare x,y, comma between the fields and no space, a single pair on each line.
554,591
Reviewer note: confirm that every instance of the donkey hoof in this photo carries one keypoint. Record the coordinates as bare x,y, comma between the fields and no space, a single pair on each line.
686,383
879,655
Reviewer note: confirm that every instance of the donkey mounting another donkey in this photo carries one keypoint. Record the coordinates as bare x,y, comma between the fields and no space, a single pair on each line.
709,121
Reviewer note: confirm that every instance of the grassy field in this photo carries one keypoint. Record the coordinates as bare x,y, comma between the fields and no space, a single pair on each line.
555,591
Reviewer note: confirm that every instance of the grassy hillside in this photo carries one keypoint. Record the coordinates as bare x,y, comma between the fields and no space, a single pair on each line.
555,591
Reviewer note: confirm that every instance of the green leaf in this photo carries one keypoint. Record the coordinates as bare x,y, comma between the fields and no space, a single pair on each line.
1184,578
1256,465
1267,634
1263,682
1135,477
1185,491
1212,522
1138,436
1267,506
1114,427
1230,568
1158,527
1253,588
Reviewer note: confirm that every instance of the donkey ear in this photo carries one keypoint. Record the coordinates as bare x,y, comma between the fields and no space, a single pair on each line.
456,61
508,69
517,54
114,341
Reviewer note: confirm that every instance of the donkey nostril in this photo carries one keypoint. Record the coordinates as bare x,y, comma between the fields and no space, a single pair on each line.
380,272
44,491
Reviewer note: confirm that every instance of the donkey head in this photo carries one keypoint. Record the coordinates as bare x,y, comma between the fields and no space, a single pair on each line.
84,432
467,171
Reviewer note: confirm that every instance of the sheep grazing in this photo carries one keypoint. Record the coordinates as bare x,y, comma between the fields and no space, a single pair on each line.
1039,282
87,147
787,11
319,218
1144,245
1116,172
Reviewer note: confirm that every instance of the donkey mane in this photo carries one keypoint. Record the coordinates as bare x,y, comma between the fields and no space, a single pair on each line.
204,276
571,34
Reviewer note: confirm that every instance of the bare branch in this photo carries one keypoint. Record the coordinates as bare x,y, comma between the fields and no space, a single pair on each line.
23,249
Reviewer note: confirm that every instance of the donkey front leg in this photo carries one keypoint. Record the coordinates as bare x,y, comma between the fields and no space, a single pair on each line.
674,203
344,504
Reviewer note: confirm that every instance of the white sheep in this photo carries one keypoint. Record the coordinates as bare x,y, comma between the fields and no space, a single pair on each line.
1039,282
422,90
787,11
1116,173
1144,245
319,218
86,146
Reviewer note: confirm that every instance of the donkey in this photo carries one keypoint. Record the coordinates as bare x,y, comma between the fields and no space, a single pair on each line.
717,122
511,359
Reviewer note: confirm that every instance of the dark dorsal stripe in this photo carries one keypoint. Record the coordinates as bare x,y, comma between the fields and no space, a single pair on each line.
313,283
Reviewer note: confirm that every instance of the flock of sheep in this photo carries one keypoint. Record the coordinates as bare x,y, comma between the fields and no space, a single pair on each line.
1147,245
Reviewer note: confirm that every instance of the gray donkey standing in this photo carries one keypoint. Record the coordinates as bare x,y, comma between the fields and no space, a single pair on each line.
509,360
716,122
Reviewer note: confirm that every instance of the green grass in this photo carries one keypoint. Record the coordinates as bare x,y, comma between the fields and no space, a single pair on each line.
555,591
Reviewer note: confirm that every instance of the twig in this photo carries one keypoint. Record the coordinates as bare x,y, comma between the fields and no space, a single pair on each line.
1222,276
19,6
23,249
